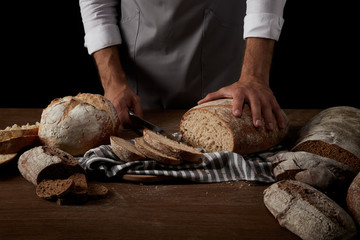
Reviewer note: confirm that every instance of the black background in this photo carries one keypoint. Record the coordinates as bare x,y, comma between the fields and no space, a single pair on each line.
315,64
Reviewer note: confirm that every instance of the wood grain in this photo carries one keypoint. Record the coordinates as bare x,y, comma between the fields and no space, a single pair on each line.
171,209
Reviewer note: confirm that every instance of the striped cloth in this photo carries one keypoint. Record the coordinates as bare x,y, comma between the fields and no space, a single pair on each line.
215,167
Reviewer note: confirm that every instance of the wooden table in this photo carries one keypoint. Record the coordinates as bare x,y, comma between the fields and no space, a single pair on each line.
163,210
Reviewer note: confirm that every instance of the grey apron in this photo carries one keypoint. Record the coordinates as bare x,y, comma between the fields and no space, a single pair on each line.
174,52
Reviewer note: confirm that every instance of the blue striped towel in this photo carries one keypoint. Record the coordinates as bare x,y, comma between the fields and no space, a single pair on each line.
215,166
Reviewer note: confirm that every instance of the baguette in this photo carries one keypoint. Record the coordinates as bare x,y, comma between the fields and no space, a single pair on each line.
213,127
307,212
14,138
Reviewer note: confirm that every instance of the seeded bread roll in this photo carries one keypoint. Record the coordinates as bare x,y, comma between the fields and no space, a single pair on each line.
333,133
125,150
353,199
45,162
307,212
77,124
171,147
213,127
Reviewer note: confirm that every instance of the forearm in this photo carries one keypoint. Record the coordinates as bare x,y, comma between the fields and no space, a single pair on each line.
109,67
257,59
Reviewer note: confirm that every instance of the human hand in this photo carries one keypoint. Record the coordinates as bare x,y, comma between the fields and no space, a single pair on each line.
258,95
124,99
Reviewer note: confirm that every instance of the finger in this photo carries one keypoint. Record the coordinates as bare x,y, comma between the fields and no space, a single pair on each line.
268,117
279,116
214,96
238,103
137,107
255,107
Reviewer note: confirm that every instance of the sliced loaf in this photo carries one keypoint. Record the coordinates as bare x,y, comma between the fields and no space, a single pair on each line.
333,133
170,147
213,127
154,154
125,150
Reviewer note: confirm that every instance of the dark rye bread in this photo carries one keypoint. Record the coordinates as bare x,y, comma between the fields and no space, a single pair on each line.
213,127
307,212
45,162
53,189
353,199
333,133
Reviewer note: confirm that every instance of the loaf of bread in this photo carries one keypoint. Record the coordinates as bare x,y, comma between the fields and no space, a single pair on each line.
171,148
14,138
125,150
320,172
213,127
307,212
77,124
44,162
333,133
353,199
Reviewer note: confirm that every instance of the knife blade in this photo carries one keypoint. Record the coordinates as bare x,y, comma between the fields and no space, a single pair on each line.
145,124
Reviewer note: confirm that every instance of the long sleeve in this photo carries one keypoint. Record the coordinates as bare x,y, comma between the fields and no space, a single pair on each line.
264,18
100,23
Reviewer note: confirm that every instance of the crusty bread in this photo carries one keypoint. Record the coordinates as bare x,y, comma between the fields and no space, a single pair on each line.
353,198
45,162
320,172
14,138
333,133
125,150
5,158
213,127
154,154
170,147
77,124
307,212
53,189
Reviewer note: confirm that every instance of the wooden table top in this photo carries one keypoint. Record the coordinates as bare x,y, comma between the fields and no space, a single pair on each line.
164,210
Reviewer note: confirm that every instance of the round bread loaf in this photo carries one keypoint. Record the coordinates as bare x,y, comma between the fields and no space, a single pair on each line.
307,212
77,124
333,133
213,127
353,198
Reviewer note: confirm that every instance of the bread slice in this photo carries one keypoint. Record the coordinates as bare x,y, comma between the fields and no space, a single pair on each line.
97,191
79,192
171,147
125,150
14,138
53,189
154,154
307,212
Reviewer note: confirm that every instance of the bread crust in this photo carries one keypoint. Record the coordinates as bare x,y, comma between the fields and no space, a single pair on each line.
307,212
245,138
353,198
77,124
333,133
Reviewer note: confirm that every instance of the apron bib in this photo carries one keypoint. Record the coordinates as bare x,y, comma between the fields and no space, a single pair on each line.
174,52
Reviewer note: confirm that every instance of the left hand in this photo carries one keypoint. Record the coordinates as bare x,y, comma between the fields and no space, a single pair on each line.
258,95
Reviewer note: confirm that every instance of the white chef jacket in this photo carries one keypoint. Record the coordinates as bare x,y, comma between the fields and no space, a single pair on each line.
199,53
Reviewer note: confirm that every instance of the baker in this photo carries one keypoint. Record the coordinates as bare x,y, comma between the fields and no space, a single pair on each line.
177,53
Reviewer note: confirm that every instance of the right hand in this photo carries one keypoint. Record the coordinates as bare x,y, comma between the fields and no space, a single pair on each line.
123,98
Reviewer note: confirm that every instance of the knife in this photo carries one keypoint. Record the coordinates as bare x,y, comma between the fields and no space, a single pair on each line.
145,124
